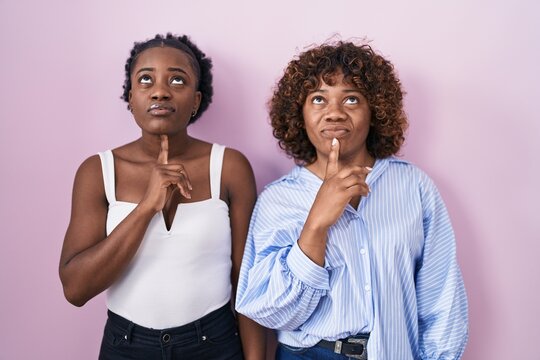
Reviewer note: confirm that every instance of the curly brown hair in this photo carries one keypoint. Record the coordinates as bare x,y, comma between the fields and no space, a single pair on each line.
362,67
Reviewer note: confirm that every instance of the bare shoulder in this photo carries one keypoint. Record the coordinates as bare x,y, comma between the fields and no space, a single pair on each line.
237,175
90,168
89,177
90,164
235,163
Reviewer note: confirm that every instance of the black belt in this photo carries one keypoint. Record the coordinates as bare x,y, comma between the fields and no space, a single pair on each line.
353,346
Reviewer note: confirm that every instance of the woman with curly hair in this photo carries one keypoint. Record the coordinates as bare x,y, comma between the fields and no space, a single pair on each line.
352,254
139,226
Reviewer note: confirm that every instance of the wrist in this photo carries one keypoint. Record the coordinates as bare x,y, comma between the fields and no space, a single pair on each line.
145,210
313,236
315,226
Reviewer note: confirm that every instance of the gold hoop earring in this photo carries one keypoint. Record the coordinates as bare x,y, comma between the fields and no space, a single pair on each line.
194,113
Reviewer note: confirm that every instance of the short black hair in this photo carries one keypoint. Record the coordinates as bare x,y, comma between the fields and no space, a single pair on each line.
202,66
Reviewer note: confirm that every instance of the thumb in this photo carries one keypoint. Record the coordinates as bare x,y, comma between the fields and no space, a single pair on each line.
332,166
163,157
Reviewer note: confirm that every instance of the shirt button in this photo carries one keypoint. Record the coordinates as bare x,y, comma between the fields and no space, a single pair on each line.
362,251
367,287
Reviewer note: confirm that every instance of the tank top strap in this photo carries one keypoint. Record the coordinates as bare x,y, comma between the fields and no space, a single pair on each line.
107,168
216,164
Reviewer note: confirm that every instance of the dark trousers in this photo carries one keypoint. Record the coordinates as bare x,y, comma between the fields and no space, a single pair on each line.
213,336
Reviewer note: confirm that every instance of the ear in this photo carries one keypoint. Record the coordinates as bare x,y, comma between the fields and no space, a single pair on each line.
129,100
198,98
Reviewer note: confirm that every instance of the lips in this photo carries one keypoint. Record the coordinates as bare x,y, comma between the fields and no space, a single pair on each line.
160,109
334,131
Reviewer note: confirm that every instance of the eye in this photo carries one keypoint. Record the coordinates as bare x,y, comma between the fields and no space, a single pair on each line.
351,100
177,81
317,100
145,79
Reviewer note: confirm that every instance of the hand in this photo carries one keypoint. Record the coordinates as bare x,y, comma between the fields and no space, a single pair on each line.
339,187
165,179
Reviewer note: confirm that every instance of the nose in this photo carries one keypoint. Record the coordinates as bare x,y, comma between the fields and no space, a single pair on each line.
161,92
334,112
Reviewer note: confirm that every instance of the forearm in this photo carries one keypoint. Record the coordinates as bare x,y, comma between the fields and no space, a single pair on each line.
283,290
93,270
253,338
312,241
443,318
441,300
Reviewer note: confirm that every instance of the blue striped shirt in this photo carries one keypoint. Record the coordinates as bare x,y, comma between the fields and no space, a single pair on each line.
390,268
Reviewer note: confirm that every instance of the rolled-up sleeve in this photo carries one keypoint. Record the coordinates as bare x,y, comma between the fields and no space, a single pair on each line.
279,286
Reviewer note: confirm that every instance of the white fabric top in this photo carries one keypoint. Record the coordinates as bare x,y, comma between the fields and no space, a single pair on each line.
177,275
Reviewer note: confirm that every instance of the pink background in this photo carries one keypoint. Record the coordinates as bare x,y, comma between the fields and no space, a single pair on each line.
470,69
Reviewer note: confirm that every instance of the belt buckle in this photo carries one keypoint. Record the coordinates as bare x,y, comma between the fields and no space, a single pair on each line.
361,341
337,347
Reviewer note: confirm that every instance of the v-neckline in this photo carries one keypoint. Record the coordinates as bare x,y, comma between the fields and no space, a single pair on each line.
169,210
168,227
161,215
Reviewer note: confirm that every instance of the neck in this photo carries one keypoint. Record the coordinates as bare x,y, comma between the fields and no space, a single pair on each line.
178,144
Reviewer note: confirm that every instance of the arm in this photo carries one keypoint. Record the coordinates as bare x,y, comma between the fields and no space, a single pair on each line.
282,278
442,301
279,286
91,261
340,187
240,183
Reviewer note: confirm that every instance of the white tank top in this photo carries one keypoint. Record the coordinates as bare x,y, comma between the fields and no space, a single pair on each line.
177,275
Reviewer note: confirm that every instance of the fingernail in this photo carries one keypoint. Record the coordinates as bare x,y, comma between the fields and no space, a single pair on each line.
190,187
334,141
368,168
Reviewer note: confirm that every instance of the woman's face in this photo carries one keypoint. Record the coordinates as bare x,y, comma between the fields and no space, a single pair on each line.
337,111
163,92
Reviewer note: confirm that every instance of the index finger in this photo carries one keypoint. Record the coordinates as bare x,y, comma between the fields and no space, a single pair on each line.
163,157
332,166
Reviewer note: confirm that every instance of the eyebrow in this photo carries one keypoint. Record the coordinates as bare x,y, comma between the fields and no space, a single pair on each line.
177,70
170,69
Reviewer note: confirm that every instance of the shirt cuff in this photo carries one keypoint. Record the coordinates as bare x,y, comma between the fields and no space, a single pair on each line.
306,270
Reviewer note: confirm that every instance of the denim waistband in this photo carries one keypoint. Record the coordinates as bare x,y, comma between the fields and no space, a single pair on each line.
189,327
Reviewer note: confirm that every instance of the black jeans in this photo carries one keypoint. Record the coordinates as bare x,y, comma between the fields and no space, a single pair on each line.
214,336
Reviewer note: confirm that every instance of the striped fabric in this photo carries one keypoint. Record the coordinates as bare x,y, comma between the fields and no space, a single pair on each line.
390,268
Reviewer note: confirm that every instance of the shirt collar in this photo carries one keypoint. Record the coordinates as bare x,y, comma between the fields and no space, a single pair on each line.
302,174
